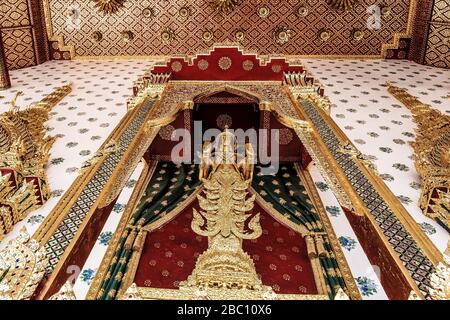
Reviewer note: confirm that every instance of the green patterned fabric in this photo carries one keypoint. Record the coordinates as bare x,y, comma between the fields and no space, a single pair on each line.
286,193
169,186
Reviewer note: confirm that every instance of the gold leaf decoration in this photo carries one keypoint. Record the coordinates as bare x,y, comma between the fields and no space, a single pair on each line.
109,6
226,6
343,4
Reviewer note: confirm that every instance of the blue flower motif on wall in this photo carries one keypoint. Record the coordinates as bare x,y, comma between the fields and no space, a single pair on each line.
35,219
87,275
322,186
428,228
367,286
347,242
118,207
334,211
105,237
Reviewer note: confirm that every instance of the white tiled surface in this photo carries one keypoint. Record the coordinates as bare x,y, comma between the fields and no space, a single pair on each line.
379,125
366,275
82,121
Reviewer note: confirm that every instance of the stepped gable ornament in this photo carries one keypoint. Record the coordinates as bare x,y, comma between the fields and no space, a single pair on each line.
109,7
431,155
226,62
24,152
22,267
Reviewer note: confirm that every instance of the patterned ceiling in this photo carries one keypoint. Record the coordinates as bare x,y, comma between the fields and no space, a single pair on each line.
188,32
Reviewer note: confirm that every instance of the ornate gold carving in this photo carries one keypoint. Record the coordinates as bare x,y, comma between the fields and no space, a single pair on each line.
282,35
65,293
97,36
240,35
440,280
167,35
24,151
324,35
111,147
22,267
358,35
350,149
184,12
226,6
207,35
343,4
127,35
302,11
432,155
109,6
263,12
148,12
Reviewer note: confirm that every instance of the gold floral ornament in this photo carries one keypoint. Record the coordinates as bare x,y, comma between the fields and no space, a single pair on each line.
184,12
167,36
324,35
302,11
263,12
22,267
24,152
358,35
226,6
109,6
96,36
207,35
127,35
240,35
343,4
282,35
431,155
148,12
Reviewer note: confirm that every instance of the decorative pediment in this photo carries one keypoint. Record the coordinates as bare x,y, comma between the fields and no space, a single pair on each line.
228,63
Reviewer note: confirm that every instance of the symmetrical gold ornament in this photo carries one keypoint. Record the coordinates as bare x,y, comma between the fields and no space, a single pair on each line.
263,12
440,280
302,11
24,151
324,35
282,35
226,6
22,267
343,4
167,35
431,155
109,6
358,35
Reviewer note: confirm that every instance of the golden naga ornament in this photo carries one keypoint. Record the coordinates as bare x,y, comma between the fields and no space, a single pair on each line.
22,267
226,6
431,155
24,151
343,4
109,6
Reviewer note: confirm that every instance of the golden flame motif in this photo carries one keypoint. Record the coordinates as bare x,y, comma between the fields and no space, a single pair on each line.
432,155
24,151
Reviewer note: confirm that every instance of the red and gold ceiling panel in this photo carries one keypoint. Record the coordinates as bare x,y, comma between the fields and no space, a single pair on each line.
170,27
